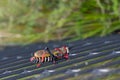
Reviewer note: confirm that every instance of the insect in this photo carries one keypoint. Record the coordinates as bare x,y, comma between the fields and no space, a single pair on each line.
47,55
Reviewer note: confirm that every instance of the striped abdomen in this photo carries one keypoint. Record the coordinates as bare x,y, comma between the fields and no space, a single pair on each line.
46,59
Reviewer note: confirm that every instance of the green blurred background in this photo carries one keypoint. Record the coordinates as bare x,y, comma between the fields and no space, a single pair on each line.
27,21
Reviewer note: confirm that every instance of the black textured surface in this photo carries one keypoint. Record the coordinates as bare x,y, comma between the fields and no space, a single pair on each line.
94,58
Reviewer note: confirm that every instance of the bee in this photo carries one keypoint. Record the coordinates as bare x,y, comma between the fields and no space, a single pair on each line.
47,55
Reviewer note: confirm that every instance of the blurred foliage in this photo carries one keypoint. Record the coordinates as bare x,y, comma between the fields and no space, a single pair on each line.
43,20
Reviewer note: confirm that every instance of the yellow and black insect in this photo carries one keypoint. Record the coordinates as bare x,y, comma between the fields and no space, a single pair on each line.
46,55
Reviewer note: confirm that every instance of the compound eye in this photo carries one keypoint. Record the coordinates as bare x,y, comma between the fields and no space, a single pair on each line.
32,58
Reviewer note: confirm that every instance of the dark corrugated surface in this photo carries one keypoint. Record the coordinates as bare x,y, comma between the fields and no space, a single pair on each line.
94,58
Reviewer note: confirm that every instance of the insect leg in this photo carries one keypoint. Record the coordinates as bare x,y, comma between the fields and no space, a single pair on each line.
38,65
66,56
